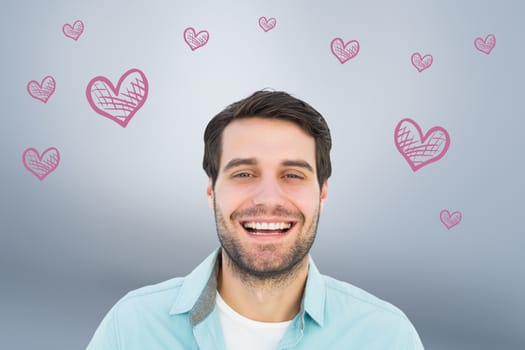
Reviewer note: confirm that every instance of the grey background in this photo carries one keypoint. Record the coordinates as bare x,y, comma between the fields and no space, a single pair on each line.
127,207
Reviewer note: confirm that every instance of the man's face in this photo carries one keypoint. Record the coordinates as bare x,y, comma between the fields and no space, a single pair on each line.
266,197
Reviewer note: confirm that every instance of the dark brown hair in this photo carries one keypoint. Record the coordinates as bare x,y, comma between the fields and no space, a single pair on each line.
276,105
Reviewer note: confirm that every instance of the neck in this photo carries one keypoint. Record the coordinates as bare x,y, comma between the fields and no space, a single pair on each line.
272,299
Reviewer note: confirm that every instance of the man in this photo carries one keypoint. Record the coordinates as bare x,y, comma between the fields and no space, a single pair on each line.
268,161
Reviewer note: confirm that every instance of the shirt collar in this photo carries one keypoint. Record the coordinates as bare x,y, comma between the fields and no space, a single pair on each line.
198,291
315,294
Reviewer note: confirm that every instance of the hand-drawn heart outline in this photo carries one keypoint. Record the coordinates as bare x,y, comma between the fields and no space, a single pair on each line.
421,63
196,40
450,219
344,52
485,45
267,24
73,31
426,149
42,91
41,165
109,102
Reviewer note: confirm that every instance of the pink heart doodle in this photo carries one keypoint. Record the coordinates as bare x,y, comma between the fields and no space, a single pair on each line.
421,63
448,219
486,45
267,24
73,31
121,103
42,91
344,52
419,150
195,40
41,165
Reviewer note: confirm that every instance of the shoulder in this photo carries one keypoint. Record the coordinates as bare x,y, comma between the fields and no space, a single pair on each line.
130,318
152,298
357,316
344,291
343,298
158,289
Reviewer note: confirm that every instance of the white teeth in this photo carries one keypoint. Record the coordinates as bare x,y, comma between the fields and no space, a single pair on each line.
267,225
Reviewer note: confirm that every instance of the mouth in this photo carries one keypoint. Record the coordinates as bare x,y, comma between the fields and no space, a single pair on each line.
265,228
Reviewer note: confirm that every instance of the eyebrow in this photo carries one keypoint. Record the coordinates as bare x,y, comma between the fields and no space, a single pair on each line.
298,163
235,162
252,161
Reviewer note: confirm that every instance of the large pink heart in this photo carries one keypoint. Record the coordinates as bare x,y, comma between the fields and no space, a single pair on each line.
267,24
73,31
42,91
421,63
41,165
344,52
448,219
419,150
121,103
195,40
485,45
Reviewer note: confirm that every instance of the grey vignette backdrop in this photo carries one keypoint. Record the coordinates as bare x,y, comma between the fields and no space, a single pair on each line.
126,207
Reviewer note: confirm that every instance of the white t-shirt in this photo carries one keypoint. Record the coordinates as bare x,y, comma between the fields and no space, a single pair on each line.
241,333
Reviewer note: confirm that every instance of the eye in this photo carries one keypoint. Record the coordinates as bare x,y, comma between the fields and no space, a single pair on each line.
294,176
243,174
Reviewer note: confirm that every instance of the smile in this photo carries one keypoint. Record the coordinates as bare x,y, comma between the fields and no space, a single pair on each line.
263,228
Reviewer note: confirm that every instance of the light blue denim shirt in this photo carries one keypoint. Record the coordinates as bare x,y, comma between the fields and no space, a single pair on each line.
181,314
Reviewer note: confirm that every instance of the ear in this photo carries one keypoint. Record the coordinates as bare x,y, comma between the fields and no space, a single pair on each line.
324,192
209,192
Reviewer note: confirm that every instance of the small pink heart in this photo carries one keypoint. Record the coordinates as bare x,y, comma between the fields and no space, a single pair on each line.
195,40
486,45
421,63
121,103
267,24
419,150
448,219
42,91
73,31
344,52
41,165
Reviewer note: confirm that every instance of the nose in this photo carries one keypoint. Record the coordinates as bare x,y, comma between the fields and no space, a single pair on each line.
268,192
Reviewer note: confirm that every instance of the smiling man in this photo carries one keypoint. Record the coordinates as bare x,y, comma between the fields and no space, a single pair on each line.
268,161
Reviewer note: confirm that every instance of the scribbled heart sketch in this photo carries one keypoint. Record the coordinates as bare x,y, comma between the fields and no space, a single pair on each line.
73,31
421,63
448,219
41,165
485,45
267,24
42,91
418,149
118,103
196,40
344,52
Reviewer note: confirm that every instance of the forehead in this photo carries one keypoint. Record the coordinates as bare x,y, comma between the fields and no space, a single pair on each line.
266,140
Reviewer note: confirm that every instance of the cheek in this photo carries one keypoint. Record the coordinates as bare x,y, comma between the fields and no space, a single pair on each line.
306,201
229,198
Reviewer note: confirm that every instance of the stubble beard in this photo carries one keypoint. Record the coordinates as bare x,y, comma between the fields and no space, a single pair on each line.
244,264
